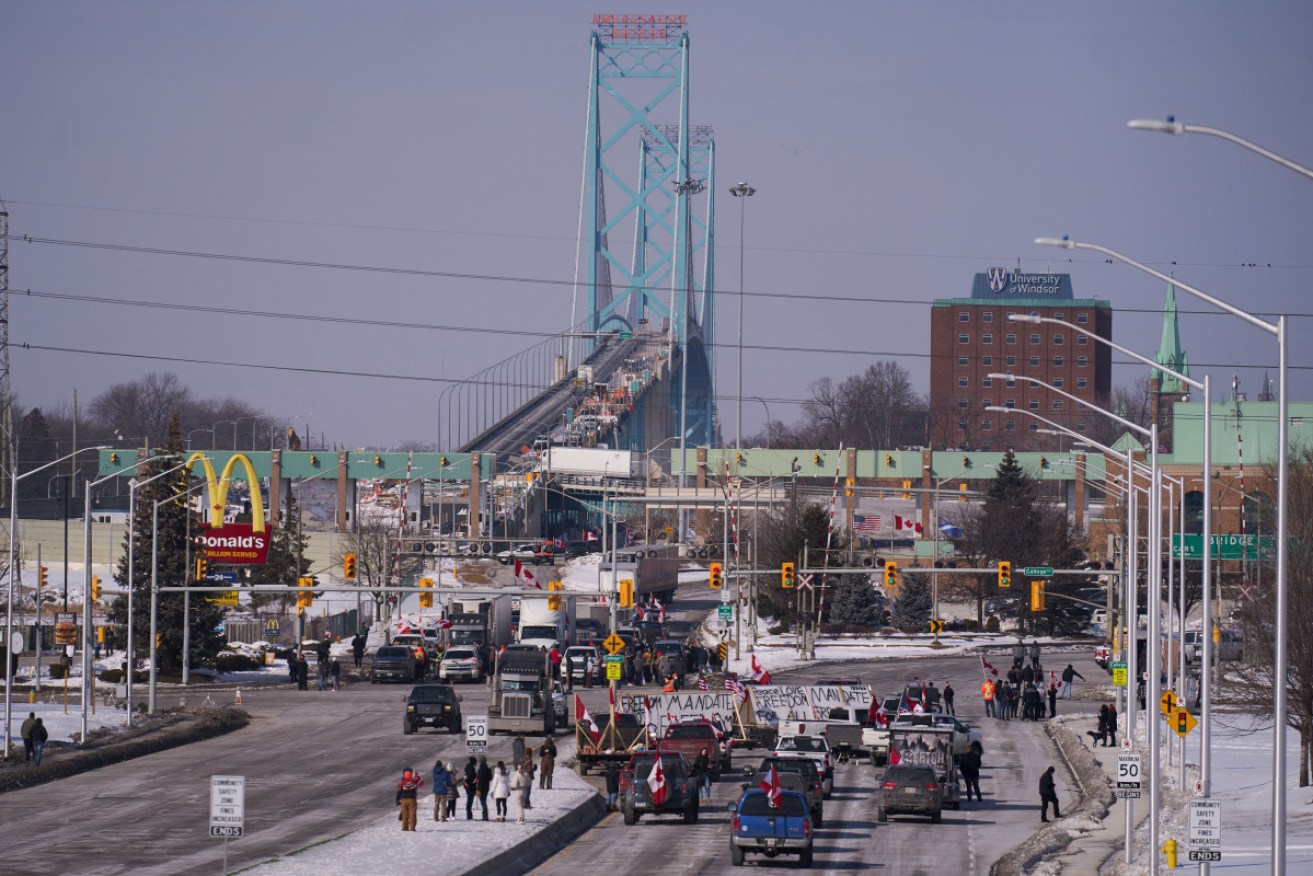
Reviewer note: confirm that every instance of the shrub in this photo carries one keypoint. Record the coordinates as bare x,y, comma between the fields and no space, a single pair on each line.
230,661
112,676
991,624
58,670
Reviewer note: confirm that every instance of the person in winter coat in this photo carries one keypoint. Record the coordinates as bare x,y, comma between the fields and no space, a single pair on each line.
453,790
1048,794
1018,654
529,769
39,737
932,697
1100,736
517,751
948,698
484,777
969,765
27,735
470,786
1053,699
1067,675
500,789
407,797
701,774
302,673
612,785
358,650
1112,725
1034,654
546,764
1027,675
442,780
518,781
987,691
335,671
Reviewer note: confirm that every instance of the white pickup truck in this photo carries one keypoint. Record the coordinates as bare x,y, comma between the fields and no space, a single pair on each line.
813,748
875,739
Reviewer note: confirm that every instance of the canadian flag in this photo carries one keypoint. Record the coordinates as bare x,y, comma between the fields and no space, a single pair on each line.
759,675
906,523
894,756
985,667
522,572
656,781
583,719
638,611
771,786
443,624
590,536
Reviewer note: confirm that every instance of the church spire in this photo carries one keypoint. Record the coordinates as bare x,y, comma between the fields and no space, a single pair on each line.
1170,355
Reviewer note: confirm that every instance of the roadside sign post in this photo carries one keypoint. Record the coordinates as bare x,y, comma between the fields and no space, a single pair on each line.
476,734
273,629
613,644
1119,674
227,809
1037,572
725,613
614,666
1128,775
1205,838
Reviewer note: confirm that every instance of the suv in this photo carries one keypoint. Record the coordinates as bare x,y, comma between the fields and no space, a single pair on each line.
811,778
911,790
436,705
575,662
681,792
392,663
1231,646
537,554
763,829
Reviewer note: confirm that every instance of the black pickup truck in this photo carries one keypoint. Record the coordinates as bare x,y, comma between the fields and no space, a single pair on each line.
435,705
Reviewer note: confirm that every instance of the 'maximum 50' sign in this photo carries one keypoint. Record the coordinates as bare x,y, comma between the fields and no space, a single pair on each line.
232,544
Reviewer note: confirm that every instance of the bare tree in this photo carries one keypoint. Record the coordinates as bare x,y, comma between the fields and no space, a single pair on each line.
378,563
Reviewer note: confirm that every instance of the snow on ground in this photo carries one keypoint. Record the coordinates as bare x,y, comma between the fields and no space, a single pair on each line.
63,727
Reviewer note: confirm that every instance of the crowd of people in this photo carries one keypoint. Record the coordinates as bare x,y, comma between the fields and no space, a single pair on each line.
506,784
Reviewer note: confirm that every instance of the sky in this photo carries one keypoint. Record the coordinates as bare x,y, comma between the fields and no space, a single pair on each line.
896,149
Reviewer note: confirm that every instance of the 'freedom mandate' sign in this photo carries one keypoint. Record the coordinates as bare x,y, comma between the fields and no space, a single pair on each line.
236,544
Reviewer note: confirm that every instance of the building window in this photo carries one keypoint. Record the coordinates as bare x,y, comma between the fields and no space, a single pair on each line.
988,426
1057,406
984,360
1009,426
962,426
1057,341
1082,317
964,339
1059,315
1033,404
964,381
987,316
1034,361
1011,382
1057,363
1034,427
1010,403
989,381
984,403
1011,360
1034,339
1057,381
1082,341
963,316
964,403
1082,361
989,339
1010,339
963,360
1080,427
1081,383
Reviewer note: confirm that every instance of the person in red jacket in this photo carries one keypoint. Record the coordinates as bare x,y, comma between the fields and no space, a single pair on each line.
408,797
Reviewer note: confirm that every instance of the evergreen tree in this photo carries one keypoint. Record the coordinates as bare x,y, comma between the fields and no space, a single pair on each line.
785,542
853,601
912,611
174,564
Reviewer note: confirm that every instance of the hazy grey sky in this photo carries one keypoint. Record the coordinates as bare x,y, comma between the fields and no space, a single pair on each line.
897,149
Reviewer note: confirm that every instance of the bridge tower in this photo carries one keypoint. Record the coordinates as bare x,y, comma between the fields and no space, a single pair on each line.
639,73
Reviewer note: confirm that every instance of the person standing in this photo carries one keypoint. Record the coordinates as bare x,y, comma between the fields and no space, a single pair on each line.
570,660
484,776
27,735
453,786
1053,699
612,785
1067,675
1100,736
590,669
517,751
546,764
969,764
518,781
358,650
39,737
1048,793
407,798
701,774
948,698
987,691
302,672
501,790
932,697
442,781
1034,654
1112,725
529,769
1018,653
335,672
470,786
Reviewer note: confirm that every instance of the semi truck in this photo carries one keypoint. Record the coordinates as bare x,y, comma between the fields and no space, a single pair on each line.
928,746
653,577
522,694
595,462
544,626
592,622
483,623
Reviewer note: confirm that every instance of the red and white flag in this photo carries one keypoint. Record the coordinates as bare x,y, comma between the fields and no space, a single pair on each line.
656,782
526,575
771,786
894,756
583,719
443,624
759,675
639,613
906,523
702,682
985,667
610,693
590,536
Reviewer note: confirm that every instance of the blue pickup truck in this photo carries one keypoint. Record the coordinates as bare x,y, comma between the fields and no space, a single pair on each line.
762,829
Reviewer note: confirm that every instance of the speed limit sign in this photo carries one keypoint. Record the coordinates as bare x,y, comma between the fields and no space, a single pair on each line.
476,734
1128,769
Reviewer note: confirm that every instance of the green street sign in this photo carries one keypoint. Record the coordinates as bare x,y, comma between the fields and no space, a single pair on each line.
1224,546
613,658
725,612
1119,674
1037,572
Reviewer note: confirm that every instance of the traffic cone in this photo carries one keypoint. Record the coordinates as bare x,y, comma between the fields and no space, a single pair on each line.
238,701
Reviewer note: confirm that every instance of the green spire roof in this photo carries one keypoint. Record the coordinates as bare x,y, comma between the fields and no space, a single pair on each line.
1170,355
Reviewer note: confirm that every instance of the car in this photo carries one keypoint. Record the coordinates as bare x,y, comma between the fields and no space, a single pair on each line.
392,663
909,790
1103,657
536,554
811,778
460,663
435,705
762,828
581,548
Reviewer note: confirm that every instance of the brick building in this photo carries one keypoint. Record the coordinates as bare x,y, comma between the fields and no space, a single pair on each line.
972,337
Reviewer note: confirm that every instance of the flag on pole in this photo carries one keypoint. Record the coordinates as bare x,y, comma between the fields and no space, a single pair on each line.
590,536
771,786
901,523
702,682
656,782
735,686
949,529
894,756
866,522
759,675
985,668
523,573
583,719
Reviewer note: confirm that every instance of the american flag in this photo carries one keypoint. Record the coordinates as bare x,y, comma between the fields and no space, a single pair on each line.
702,682
733,684
869,522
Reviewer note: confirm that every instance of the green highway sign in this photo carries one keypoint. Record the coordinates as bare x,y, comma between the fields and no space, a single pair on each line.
1224,546
725,612
1037,572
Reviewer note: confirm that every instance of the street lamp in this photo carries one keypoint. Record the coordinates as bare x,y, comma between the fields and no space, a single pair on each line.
767,408
201,429
647,508
11,657
742,191
684,188
934,576
215,430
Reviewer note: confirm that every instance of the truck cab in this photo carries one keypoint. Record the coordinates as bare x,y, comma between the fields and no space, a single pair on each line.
681,793
522,699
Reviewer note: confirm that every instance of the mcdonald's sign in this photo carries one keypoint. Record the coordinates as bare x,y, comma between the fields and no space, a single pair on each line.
232,544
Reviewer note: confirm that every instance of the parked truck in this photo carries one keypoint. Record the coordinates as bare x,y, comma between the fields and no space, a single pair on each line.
544,626
653,577
929,746
522,694
596,462
483,624
592,622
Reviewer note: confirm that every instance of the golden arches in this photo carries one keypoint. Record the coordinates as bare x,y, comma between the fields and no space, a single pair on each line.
218,488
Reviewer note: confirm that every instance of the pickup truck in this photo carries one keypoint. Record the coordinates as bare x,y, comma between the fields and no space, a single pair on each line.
843,726
689,738
805,772
963,733
435,705
681,797
763,829
875,738
815,749
534,554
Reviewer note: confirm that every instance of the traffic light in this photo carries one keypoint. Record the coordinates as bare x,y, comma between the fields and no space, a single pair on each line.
442,461
717,576
314,460
554,602
890,573
787,579
1036,595
738,458
349,567
626,593
378,460
889,460
95,588
426,593
1004,574
1043,462
848,485
816,459
1182,722
202,566
100,635
305,594
42,573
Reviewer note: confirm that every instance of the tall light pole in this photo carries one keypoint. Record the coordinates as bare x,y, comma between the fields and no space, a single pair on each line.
683,188
767,409
1171,126
742,191
201,429
11,658
215,430
934,576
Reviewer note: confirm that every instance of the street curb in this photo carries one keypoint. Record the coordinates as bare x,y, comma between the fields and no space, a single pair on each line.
545,843
1096,799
